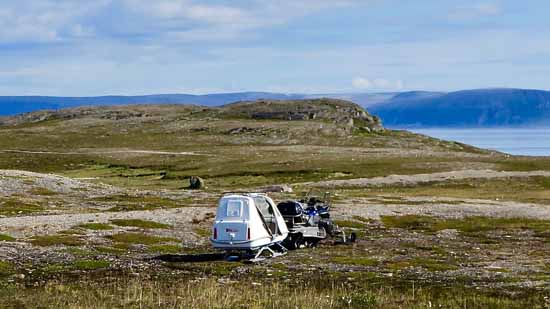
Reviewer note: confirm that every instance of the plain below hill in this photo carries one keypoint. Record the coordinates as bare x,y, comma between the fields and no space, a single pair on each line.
468,108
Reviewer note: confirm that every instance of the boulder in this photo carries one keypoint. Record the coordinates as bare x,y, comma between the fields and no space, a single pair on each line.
196,182
277,189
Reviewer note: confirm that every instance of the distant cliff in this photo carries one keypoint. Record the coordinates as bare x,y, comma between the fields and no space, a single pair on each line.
469,108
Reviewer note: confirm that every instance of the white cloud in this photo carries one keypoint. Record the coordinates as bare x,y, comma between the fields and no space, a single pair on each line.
361,83
182,20
191,20
478,10
44,20
376,84
185,9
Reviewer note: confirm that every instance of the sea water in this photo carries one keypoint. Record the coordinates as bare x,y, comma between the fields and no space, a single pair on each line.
516,141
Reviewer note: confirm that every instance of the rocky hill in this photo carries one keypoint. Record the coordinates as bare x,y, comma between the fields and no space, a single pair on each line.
12,105
342,113
338,111
470,108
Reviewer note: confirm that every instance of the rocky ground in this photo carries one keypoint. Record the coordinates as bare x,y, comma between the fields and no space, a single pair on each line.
52,235
99,197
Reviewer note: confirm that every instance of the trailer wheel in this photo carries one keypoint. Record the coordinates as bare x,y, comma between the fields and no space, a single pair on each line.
298,241
294,241
315,241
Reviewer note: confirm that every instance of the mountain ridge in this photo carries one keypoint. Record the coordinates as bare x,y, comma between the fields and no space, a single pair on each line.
12,105
503,107
491,107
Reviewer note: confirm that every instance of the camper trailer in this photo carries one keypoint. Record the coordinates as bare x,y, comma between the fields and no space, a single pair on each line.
248,224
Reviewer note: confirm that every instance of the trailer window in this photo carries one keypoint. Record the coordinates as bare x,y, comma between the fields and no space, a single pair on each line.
234,208
263,207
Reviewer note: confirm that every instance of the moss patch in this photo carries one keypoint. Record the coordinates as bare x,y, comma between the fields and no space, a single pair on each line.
203,232
350,224
4,237
129,202
426,263
165,249
53,240
12,207
42,191
140,223
110,250
139,238
350,260
6,268
90,264
466,225
95,226
72,231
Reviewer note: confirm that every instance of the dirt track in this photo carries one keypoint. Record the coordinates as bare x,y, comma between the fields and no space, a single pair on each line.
442,207
46,224
425,178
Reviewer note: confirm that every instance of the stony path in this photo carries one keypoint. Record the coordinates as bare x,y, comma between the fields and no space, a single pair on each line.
19,182
27,226
425,178
446,207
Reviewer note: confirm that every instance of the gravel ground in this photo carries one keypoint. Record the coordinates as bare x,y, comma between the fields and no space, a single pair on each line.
20,182
424,178
448,208
28,226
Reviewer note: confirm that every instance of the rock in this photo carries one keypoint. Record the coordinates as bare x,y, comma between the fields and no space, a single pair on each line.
277,188
196,182
448,234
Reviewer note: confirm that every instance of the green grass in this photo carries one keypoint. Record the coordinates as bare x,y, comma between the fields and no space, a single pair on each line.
90,264
203,232
351,260
72,231
4,237
14,207
54,240
363,219
521,189
6,268
140,238
42,191
466,225
350,224
146,224
524,164
426,263
427,248
95,226
76,251
130,203
165,249
219,268
110,250
178,293
285,152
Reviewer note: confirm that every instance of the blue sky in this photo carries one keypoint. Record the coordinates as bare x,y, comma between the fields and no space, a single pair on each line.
83,48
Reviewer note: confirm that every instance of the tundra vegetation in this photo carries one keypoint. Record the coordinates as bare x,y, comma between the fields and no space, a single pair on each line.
95,211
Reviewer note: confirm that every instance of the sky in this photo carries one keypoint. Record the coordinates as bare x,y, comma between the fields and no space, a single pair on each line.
132,47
